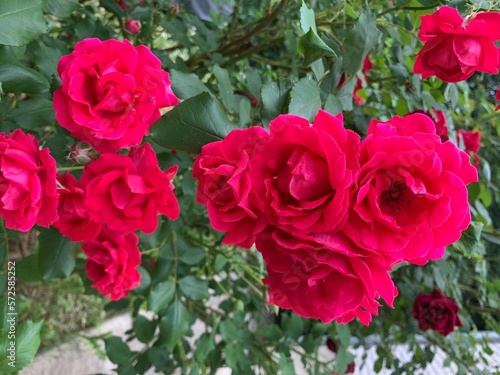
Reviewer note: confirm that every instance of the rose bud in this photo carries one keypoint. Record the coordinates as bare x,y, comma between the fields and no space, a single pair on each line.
133,26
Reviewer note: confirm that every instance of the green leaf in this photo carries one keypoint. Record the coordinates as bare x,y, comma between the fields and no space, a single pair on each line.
204,345
1,92
307,19
27,341
344,334
333,105
194,288
254,82
144,329
186,85
20,79
275,98
34,113
225,88
294,326
184,252
174,324
55,256
21,21
344,95
313,47
192,124
117,351
161,295
46,59
359,41
342,360
27,268
286,365
305,99
470,241
61,8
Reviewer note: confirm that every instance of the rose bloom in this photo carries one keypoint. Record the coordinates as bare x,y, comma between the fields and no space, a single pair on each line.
439,120
471,140
28,190
437,312
224,185
74,219
111,93
112,263
302,176
325,276
412,196
127,192
455,48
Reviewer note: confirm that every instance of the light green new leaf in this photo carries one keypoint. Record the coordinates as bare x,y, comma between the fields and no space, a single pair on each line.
21,21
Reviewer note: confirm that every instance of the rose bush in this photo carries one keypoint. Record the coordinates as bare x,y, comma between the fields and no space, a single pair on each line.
437,312
111,93
455,48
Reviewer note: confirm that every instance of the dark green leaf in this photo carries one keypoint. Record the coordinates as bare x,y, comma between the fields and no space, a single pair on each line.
194,288
345,94
55,256
286,365
333,104
27,268
313,47
184,252
275,98
225,87
117,351
359,41
344,334
305,99
144,329
254,82
204,345
174,324
46,59
20,79
27,341
34,113
161,295
61,8
192,124
186,85
469,242
342,360
21,21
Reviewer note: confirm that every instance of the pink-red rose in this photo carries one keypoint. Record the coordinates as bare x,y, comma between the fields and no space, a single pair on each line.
133,26
439,120
455,48
437,312
111,93
471,140
411,200
112,263
74,219
325,276
127,192
28,190
301,177
225,187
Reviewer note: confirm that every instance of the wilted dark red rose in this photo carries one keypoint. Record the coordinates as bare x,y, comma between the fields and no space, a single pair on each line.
112,260
437,312
455,48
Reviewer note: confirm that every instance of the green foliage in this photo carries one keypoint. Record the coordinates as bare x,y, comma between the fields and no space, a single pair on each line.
21,21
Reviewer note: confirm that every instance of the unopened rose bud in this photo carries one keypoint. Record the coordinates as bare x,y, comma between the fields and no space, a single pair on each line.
133,26
331,345
82,153
122,4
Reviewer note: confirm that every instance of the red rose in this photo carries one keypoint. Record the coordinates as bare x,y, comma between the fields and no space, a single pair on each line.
28,190
497,97
412,196
471,140
437,312
324,276
111,93
439,119
132,26
128,192
302,175
74,219
112,263
456,48
224,185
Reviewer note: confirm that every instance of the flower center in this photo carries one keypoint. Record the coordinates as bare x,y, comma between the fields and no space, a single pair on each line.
396,198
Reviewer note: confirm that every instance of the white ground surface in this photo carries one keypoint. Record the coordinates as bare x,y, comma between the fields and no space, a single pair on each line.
77,358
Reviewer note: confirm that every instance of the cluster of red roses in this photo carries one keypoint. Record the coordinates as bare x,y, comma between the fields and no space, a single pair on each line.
332,215
110,95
